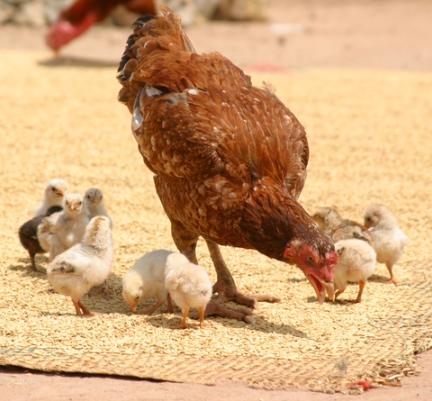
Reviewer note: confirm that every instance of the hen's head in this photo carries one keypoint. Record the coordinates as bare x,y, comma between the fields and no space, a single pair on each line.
316,258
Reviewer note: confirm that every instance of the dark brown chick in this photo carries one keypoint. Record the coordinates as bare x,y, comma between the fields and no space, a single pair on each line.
28,235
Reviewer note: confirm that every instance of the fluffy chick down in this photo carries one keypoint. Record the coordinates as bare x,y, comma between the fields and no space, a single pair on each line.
356,263
146,281
70,226
85,265
53,196
188,285
387,238
94,202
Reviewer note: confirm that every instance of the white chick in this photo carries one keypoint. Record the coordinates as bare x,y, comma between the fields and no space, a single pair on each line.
70,226
387,238
54,196
45,230
94,202
356,263
87,264
146,280
188,285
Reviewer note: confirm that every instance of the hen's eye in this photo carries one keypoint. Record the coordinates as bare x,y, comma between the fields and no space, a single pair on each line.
310,261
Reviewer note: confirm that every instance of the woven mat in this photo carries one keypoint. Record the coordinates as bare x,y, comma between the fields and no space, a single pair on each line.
369,135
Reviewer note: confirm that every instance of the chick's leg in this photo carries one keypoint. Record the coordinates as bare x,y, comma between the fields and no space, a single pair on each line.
183,323
201,314
362,284
225,285
170,308
392,277
77,308
33,262
84,310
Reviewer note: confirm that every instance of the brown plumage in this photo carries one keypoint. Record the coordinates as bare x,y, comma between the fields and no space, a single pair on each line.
28,234
229,158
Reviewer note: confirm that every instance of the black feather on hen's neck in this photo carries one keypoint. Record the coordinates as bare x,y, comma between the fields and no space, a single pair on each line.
138,24
272,218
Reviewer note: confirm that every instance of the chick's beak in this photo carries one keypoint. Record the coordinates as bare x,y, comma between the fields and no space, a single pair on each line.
133,306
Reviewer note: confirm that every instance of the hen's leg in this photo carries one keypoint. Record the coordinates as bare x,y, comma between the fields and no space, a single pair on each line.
225,285
185,241
186,244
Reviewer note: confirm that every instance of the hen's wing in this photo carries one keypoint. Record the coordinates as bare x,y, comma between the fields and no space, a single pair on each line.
199,115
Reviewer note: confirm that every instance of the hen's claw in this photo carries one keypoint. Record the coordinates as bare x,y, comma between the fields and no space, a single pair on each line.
216,308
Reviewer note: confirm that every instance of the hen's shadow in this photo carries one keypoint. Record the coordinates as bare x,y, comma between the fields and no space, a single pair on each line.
258,323
76,61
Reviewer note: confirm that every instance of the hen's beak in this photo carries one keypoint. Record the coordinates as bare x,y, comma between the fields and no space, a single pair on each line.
321,288
329,287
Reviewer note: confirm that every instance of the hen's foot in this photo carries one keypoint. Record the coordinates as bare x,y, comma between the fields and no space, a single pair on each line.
216,308
228,293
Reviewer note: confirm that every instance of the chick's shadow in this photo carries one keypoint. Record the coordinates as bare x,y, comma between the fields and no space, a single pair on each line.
24,266
107,298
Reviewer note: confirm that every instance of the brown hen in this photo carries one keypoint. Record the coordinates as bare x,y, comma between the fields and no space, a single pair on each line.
229,159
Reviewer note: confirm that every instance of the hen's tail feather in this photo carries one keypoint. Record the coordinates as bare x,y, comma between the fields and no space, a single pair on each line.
166,23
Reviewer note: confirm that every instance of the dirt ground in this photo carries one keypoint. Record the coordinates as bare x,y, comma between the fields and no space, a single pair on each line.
332,33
